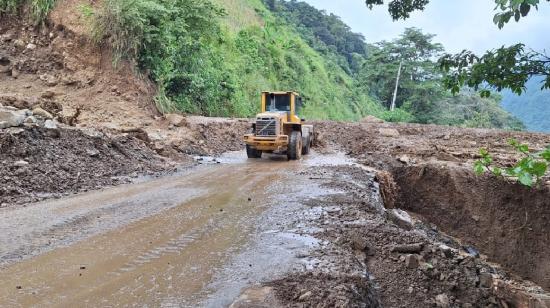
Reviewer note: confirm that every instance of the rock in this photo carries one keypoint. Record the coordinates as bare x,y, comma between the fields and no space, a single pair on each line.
485,280
389,132
401,219
49,124
442,301
304,297
359,242
12,118
447,137
69,116
14,72
446,250
371,119
20,163
412,261
6,37
49,80
4,69
19,43
92,153
176,119
471,251
69,80
42,113
48,94
405,159
31,46
7,99
408,248
31,121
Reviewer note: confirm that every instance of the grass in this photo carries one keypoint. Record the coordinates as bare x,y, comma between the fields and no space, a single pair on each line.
39,8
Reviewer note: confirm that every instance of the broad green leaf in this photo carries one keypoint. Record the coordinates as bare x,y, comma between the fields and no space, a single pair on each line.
523,148
479,168
497,171
539,168
526,179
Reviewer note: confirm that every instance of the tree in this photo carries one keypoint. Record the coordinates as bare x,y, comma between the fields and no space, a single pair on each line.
404,68
503,68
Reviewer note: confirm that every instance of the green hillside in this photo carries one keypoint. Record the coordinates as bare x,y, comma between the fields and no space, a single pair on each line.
214,57
532,107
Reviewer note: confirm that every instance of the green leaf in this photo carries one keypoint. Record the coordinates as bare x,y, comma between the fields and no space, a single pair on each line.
546,155
479,168
524,9
523,148
497,171
483,152
487,160
513,142
539,168
526,179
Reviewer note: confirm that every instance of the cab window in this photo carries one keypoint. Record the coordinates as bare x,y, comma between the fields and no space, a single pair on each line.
278,103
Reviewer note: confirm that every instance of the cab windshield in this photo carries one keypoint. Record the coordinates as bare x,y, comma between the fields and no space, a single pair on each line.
278,103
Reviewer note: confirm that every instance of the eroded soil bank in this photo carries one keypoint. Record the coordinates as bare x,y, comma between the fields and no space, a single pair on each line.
429,173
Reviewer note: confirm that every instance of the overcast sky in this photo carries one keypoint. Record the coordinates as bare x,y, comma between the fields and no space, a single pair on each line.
458,24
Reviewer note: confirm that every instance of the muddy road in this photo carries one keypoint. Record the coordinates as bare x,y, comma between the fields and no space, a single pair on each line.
244,233
159,242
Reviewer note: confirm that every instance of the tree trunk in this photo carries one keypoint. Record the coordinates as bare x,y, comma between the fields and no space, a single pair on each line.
392,108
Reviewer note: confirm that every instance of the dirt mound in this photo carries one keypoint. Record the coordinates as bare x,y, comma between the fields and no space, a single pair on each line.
39,163
432,167
323,290
56,63
407,267
506,221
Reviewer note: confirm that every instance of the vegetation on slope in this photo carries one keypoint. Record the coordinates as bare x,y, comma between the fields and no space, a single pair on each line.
532,107
213,57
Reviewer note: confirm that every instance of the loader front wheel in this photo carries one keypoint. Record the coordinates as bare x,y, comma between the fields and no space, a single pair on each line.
295,146
253,153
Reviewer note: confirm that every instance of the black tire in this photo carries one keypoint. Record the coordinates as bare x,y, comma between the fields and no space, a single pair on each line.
253,153
306,144
294,151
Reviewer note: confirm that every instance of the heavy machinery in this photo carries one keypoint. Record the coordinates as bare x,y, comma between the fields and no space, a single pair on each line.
279,129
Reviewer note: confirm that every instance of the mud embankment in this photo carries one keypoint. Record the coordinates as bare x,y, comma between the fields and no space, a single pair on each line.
40,163
504,220
427,170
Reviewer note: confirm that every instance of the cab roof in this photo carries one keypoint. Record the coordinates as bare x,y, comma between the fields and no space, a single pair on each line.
281,92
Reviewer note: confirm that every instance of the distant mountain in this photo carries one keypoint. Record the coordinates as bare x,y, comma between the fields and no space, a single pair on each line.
532,107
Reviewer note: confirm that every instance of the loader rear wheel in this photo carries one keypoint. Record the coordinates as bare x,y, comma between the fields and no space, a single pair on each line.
253,153
295,146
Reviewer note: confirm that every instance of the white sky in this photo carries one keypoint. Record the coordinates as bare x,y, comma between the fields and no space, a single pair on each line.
458,24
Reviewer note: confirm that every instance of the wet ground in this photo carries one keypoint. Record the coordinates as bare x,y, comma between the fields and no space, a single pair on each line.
195,238
243,233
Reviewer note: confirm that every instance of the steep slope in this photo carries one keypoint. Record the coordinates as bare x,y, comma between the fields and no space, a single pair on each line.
532,107
270,54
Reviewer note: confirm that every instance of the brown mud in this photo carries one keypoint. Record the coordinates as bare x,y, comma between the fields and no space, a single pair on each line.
39,163
428,171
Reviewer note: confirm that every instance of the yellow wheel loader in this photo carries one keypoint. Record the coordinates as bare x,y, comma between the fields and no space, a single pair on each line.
278,129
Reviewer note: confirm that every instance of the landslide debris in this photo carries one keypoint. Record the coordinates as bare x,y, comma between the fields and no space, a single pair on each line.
40,162
427,170
366,259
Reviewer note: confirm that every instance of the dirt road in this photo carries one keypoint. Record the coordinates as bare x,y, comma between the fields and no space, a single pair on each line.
255,233
156,242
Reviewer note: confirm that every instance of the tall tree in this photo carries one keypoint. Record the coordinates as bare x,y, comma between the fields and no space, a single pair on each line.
503,68
404,68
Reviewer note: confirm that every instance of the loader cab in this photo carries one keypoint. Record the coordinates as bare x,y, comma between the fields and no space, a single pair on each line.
289,103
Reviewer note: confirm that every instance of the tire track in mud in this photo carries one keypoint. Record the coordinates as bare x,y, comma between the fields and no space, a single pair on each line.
165,255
